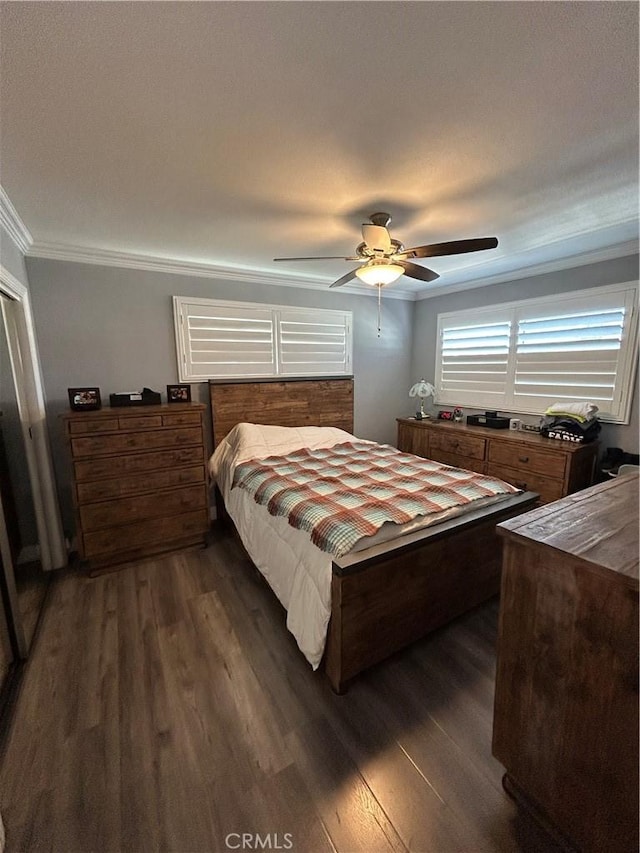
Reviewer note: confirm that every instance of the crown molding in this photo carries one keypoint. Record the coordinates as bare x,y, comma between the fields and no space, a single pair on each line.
172,266
13,224
249,275
11,286
620,250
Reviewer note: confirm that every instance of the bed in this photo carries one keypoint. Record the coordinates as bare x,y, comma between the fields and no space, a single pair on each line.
375,599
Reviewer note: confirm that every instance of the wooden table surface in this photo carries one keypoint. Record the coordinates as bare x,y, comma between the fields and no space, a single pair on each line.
598,526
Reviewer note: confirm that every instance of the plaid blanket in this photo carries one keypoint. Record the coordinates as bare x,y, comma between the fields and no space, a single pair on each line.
340,494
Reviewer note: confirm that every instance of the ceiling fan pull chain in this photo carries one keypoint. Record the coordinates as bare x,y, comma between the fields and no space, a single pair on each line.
379,301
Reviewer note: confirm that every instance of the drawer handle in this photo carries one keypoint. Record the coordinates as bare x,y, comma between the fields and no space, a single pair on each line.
523,458
456,444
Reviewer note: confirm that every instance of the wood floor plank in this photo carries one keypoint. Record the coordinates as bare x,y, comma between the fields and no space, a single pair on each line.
259,728
416,809
486,812
354,819
166,707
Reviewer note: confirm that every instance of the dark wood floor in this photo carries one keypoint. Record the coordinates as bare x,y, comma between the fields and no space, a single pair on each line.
165,706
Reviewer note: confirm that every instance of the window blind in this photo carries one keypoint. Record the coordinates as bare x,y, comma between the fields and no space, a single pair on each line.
570,356
227,341
313,343
524,356
221,339
474,360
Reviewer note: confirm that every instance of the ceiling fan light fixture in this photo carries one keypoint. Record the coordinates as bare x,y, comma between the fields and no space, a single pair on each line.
379,274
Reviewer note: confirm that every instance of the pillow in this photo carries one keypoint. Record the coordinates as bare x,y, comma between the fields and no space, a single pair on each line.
257,441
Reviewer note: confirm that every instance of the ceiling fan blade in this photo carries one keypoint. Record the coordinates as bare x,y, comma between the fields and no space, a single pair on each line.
376,237
345,278
323,258
453,247
416,271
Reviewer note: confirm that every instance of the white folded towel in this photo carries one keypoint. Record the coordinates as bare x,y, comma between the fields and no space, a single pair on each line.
586,411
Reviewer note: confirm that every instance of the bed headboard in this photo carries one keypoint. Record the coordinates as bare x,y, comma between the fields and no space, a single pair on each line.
281,402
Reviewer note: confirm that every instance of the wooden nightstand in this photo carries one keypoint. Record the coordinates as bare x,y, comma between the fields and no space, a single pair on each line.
529,461
139,481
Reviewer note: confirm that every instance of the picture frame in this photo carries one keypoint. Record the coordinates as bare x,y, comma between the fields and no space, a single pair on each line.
178,393
84,399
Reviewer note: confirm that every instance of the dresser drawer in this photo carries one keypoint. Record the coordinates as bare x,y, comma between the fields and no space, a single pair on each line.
122,443
86,426
99,490
466,462
181,419
98,469
176,527
140,422
129,510
528,459
529,481
413,439
460,444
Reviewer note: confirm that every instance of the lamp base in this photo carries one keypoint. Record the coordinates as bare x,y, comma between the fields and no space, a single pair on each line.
422,416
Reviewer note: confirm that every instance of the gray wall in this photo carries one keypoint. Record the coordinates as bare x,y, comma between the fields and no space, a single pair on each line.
113,328
608,272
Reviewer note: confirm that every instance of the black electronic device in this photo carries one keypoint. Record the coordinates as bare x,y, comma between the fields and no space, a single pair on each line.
489,419
146,397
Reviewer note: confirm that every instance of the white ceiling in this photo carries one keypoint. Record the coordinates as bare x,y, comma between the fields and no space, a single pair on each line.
228,134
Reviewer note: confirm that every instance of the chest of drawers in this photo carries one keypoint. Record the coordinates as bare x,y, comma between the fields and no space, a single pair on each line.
531,462
139,481
566,702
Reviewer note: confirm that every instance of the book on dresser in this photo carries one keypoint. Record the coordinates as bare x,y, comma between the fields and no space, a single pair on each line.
528,461
139,481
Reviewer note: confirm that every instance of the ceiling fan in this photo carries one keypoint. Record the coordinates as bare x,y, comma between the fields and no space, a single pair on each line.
384,259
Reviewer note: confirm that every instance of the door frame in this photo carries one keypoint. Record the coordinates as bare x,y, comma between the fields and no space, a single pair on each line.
27,374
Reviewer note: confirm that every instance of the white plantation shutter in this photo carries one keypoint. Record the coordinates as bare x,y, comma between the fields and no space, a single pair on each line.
473,360
313,342
524,356
570,357
222,339
226,340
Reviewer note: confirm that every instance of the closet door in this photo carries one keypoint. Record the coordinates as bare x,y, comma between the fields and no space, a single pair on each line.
7,656
12,641
22,565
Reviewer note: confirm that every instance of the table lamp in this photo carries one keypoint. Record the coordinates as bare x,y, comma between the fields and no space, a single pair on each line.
423,390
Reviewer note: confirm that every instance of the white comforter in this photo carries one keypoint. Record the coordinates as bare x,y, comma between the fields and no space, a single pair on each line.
297,571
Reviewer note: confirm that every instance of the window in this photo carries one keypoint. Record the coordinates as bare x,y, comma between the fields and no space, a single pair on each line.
523,356
218,339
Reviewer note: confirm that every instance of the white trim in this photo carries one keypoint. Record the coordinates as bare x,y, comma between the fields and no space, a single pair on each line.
151,263
621,250
173,266
25,364
13,224
21,236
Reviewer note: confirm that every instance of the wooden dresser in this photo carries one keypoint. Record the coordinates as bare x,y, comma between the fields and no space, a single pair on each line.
139,481
529,461
566,703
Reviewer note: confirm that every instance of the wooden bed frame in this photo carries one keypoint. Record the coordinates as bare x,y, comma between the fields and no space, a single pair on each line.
390,595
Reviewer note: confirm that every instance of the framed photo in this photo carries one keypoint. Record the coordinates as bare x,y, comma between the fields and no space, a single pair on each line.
84,399
178,393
